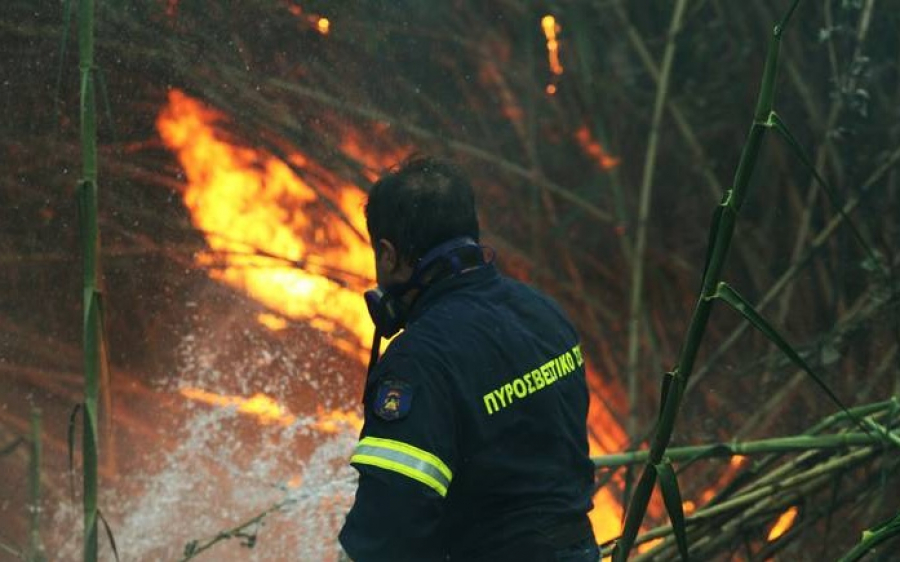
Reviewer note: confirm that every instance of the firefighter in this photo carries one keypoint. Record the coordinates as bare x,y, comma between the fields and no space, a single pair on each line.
474,446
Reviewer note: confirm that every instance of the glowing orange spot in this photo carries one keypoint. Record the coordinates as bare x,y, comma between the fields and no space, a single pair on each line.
551,29
736,461
688,506
551,89
323,25
271,321
593,149
784,522
267,410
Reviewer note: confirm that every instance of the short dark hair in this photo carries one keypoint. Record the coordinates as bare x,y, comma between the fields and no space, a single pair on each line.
419,204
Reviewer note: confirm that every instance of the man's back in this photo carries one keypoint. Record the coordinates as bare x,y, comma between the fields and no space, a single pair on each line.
496,393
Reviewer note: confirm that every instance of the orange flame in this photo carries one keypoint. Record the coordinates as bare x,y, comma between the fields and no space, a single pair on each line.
268,411
253,206
783,524
265,409
605,436
337,421
595,150
271,321
551,28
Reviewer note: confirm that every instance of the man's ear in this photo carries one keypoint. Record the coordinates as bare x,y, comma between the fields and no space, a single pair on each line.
386,255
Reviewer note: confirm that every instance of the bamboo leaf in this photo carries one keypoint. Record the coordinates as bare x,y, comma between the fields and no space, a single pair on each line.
71,443
668,484
89,470
725,293
873,260
109,534
635,514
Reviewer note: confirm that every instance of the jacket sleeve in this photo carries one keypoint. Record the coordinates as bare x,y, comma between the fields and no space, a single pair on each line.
405,458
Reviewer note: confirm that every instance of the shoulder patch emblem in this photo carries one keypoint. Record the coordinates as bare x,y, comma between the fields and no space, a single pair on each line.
393,399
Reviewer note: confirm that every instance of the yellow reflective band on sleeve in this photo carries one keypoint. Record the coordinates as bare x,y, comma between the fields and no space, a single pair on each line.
404,459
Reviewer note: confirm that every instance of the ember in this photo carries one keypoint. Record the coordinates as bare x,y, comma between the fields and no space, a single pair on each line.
783,524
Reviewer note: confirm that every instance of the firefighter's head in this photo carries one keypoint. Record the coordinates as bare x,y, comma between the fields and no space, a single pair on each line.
414,208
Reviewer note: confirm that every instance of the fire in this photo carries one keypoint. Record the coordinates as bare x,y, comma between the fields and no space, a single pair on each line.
605,436
271,321
337,421
320,24
254,210
783,523
595,150
551,29
265,409
268,411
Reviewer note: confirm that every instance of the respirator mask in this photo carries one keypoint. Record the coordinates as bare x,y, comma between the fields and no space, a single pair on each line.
386,307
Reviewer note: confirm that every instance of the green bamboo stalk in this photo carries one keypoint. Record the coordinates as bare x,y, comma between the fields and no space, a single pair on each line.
93,338
637,256
35,545
873,537
720,240
818,242
787,489
761,446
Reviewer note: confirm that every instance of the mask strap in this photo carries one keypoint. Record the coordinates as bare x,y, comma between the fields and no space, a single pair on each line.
373,360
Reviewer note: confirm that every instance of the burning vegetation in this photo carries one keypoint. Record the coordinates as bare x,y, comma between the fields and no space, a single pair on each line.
235,149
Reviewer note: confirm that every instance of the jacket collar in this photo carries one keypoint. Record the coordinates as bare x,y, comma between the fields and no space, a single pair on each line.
436,291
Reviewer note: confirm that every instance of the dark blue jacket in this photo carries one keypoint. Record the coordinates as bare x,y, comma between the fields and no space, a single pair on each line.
475,429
